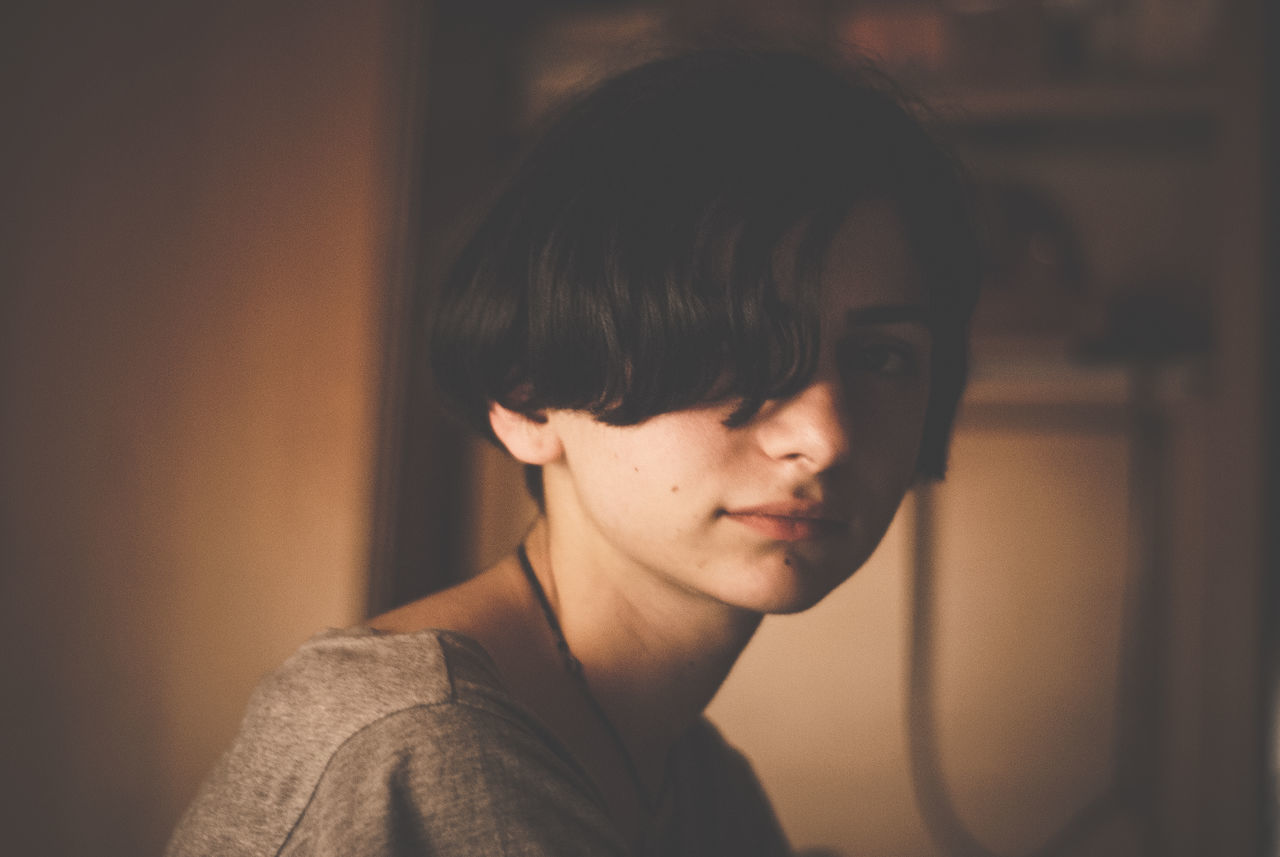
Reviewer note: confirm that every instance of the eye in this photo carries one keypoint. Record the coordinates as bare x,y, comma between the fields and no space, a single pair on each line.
880,357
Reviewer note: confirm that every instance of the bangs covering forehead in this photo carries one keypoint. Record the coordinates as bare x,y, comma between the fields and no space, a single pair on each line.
662,244
658,315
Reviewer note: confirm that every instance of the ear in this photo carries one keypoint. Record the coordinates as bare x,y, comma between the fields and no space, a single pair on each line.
530,439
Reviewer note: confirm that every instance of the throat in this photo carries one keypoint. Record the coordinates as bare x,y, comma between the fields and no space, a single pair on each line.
620,685
644,792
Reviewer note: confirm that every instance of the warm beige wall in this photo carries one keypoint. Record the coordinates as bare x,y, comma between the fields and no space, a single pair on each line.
198,205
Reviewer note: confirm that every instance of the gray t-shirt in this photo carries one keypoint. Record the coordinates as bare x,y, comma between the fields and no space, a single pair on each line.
372,745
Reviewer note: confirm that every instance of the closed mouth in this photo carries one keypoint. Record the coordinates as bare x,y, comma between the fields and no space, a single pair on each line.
790,521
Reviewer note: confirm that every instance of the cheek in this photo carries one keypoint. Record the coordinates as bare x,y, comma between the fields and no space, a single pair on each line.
672,453
636,478
890,433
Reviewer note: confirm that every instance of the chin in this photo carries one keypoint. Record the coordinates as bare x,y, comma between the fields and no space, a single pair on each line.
787,607
795,586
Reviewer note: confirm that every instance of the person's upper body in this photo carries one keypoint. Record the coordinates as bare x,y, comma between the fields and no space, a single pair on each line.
720,315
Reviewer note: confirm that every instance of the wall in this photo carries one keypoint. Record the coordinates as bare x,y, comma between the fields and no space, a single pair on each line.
196,213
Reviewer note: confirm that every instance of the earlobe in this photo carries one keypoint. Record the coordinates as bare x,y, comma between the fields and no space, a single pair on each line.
530,440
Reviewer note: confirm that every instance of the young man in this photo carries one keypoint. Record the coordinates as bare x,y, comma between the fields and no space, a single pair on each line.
720,315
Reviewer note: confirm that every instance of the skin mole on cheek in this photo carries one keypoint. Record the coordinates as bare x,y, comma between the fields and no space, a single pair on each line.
675,488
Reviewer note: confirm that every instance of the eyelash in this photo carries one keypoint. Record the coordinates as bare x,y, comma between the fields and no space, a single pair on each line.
885,359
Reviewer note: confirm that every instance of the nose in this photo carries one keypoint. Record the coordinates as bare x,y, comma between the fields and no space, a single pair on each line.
810,428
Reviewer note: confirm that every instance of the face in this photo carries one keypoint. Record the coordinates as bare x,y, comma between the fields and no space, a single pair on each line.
772,515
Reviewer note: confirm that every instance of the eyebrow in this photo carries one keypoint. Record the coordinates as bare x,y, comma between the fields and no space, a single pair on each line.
890,314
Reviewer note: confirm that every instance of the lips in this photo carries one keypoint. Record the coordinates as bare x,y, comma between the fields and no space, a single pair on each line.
791,522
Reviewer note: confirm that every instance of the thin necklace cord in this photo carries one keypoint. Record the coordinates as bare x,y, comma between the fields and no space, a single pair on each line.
574,667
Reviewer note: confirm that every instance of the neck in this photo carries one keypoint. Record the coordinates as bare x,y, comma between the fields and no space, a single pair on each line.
653,655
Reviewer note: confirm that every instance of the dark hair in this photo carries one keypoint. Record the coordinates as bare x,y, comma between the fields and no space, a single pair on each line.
630,266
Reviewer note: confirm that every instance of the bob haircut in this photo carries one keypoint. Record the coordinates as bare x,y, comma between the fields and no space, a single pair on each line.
631,266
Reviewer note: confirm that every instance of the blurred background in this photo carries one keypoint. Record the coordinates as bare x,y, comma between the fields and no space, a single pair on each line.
221,222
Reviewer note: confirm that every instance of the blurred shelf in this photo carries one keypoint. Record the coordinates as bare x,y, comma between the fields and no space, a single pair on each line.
1097,101
1137,116
1039,372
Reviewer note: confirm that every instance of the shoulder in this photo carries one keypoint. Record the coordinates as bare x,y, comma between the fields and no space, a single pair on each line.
340,683
347,678
362,720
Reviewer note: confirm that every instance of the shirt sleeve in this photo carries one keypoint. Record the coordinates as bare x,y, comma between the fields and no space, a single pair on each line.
452,779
